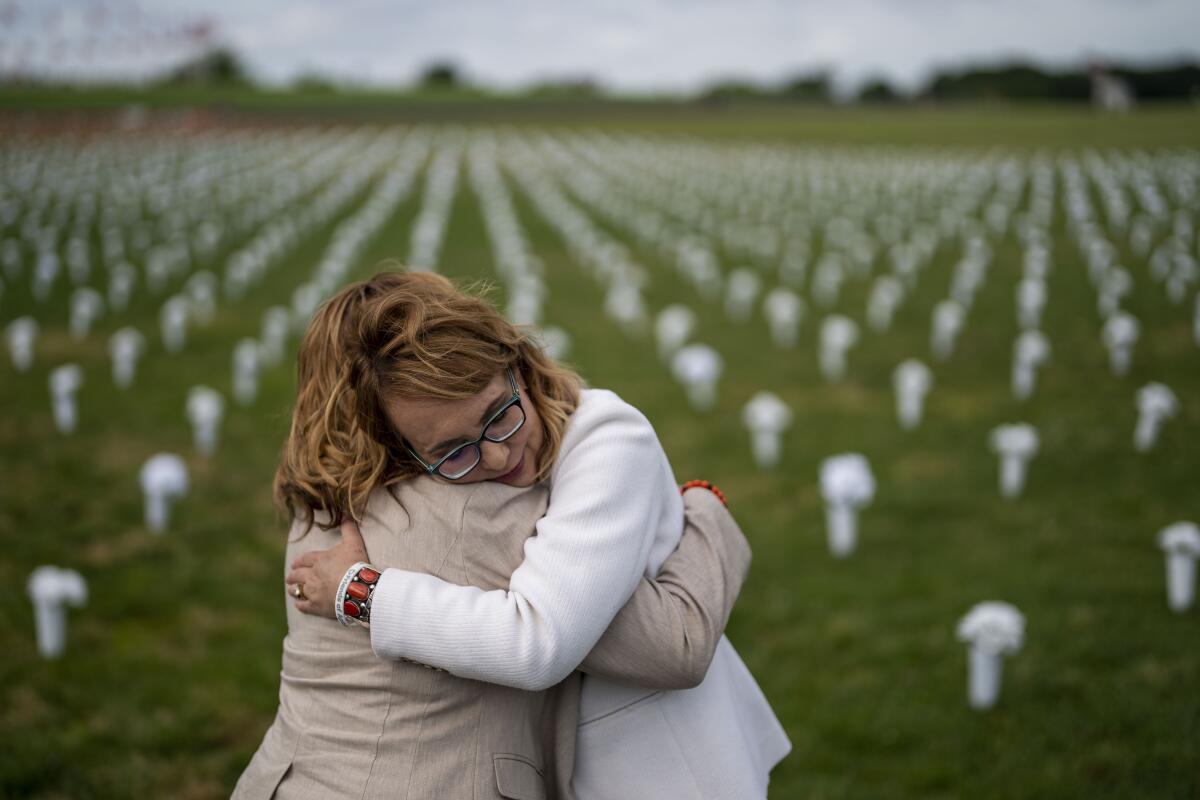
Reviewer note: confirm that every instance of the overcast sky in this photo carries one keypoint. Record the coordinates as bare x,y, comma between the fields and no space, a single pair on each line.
647,45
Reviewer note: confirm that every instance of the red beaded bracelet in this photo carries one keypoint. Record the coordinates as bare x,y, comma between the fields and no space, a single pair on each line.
353,601
705,485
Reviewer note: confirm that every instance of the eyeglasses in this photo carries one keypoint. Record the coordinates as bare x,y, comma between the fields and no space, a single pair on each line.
464,458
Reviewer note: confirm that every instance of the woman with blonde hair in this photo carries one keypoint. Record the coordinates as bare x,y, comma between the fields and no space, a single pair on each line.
433,381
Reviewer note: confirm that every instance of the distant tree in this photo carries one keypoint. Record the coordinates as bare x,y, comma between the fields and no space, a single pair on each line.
1016,81
1179,81
220,66
879,91
314,82
566,87
811,87
440,75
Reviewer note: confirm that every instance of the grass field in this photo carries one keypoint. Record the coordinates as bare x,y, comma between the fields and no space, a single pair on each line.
171,671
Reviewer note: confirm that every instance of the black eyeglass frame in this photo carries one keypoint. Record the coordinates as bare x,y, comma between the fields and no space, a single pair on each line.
432,469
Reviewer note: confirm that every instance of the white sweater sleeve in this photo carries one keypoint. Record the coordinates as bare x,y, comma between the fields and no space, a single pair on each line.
607,494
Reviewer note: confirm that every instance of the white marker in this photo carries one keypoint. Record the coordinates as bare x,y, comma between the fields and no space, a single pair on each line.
847,486
767,417
164,478
1016,445
51,588
992,629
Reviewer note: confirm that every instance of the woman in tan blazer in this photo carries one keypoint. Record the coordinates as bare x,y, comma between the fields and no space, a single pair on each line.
352,725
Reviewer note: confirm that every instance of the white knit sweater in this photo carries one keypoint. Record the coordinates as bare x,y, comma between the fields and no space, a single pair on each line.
615,514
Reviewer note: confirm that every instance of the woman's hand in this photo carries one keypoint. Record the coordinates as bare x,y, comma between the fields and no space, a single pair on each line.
319,572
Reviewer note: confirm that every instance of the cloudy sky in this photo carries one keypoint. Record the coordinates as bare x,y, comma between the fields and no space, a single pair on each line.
647,45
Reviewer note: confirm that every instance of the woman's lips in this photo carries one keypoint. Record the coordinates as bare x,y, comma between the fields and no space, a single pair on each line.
510,475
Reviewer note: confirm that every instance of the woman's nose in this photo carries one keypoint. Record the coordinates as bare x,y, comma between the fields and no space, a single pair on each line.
494,455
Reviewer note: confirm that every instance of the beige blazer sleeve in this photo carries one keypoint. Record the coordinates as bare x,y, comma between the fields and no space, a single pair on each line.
665,636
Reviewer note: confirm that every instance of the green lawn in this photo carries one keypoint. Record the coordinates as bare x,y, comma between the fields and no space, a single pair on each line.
171,671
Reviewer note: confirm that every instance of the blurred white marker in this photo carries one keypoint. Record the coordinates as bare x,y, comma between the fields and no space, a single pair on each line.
86,307
741,289
64,383
245,371
121,280
305,300
767,417
555,341
672,328
784,310
1016,444
911,381
1031,299
847,485
992,629
1030,351
45,272
201,291
625,306
173,318
1121,332
1181,542
205,408
51,588
886,294
276,322
1156,403
948,318
125,347
21,334
838,335
164,478
698,367
1114,286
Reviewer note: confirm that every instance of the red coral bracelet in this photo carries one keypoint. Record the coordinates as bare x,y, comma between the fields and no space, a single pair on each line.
705,485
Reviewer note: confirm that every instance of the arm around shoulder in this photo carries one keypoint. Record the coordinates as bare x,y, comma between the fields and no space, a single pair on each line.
666,635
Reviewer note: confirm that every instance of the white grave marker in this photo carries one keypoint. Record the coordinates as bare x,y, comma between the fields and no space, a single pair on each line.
51,588
276,323
125,347
173,319
784,310
911,381
121,280
86,307
1030,351
672,328
21,334
1121,332
698,367
847,485
64,383
205,408
838,335
1181,543
948,319
164,479
992,629
886,295
767,417
245,371
741,289
1156,403
1016,444
1031,300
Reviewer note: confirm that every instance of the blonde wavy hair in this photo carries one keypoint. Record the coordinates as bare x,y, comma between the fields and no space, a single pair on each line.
408,334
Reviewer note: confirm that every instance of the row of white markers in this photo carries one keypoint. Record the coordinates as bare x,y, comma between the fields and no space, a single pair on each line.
993,629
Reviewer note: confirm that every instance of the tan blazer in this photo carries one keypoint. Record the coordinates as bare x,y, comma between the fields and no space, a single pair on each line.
352,725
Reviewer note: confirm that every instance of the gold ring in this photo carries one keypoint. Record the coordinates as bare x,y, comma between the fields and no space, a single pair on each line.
299,592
